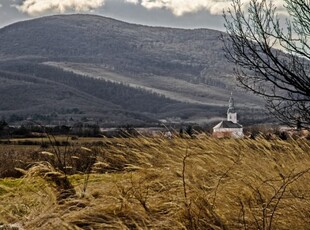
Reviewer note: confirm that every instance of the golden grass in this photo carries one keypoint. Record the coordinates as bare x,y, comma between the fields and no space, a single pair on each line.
157,183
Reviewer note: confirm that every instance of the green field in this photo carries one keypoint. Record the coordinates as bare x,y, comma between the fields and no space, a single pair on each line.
158,183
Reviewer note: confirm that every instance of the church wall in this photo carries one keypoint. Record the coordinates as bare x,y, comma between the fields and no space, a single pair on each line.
228,132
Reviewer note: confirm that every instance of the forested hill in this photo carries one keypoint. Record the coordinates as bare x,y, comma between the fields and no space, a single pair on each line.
94,68
122,46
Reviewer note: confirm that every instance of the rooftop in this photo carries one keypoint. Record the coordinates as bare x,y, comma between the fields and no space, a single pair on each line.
227,124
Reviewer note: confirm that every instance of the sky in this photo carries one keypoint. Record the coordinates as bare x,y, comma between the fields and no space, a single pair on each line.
168,13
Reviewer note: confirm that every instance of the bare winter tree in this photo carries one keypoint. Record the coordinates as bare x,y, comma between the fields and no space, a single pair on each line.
272,54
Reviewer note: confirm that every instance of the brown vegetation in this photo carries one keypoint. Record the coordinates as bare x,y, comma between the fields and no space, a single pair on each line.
179,183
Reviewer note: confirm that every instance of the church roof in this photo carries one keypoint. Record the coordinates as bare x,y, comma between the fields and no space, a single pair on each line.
227,124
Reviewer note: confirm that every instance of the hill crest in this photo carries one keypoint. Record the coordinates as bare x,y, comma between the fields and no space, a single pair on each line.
184,69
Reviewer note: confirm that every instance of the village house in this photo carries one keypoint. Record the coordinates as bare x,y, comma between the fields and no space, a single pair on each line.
229,127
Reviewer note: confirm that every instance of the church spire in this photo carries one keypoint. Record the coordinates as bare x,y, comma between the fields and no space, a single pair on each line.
231,104
231,112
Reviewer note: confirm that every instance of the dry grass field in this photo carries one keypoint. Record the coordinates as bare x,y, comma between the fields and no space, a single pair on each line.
160,183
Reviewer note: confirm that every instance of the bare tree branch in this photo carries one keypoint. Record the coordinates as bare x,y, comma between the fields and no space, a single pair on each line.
272,60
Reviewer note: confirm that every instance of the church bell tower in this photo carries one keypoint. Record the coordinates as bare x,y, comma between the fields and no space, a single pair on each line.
231,112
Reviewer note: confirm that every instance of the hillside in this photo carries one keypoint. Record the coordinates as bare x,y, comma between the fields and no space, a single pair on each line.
115,73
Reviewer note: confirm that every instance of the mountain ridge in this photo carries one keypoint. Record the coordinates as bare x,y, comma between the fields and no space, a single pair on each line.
182,72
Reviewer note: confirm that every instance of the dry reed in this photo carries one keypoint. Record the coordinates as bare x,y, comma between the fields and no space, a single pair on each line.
158,183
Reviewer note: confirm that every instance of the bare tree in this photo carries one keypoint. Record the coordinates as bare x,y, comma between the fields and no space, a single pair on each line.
272,53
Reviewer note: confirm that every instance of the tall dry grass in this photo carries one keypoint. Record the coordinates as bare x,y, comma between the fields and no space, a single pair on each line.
157,183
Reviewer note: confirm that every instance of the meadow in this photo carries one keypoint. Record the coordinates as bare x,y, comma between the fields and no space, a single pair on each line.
158,183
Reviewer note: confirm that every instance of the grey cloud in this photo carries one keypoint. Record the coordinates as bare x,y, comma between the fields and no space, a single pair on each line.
181,7
177,7
39,7
136,13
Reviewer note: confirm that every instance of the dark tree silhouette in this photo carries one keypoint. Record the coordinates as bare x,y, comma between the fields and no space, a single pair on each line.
272,53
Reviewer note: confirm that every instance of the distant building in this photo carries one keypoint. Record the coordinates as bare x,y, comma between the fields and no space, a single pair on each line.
230,127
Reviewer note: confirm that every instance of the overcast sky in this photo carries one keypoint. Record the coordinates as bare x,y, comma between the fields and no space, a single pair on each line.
169,13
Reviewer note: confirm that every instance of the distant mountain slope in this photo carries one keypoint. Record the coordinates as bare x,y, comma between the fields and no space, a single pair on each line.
123,46
114,72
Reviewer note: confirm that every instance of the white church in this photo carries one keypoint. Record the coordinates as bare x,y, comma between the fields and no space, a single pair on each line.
229,127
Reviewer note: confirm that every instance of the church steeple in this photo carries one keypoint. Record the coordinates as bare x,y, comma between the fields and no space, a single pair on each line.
231,112
231,105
